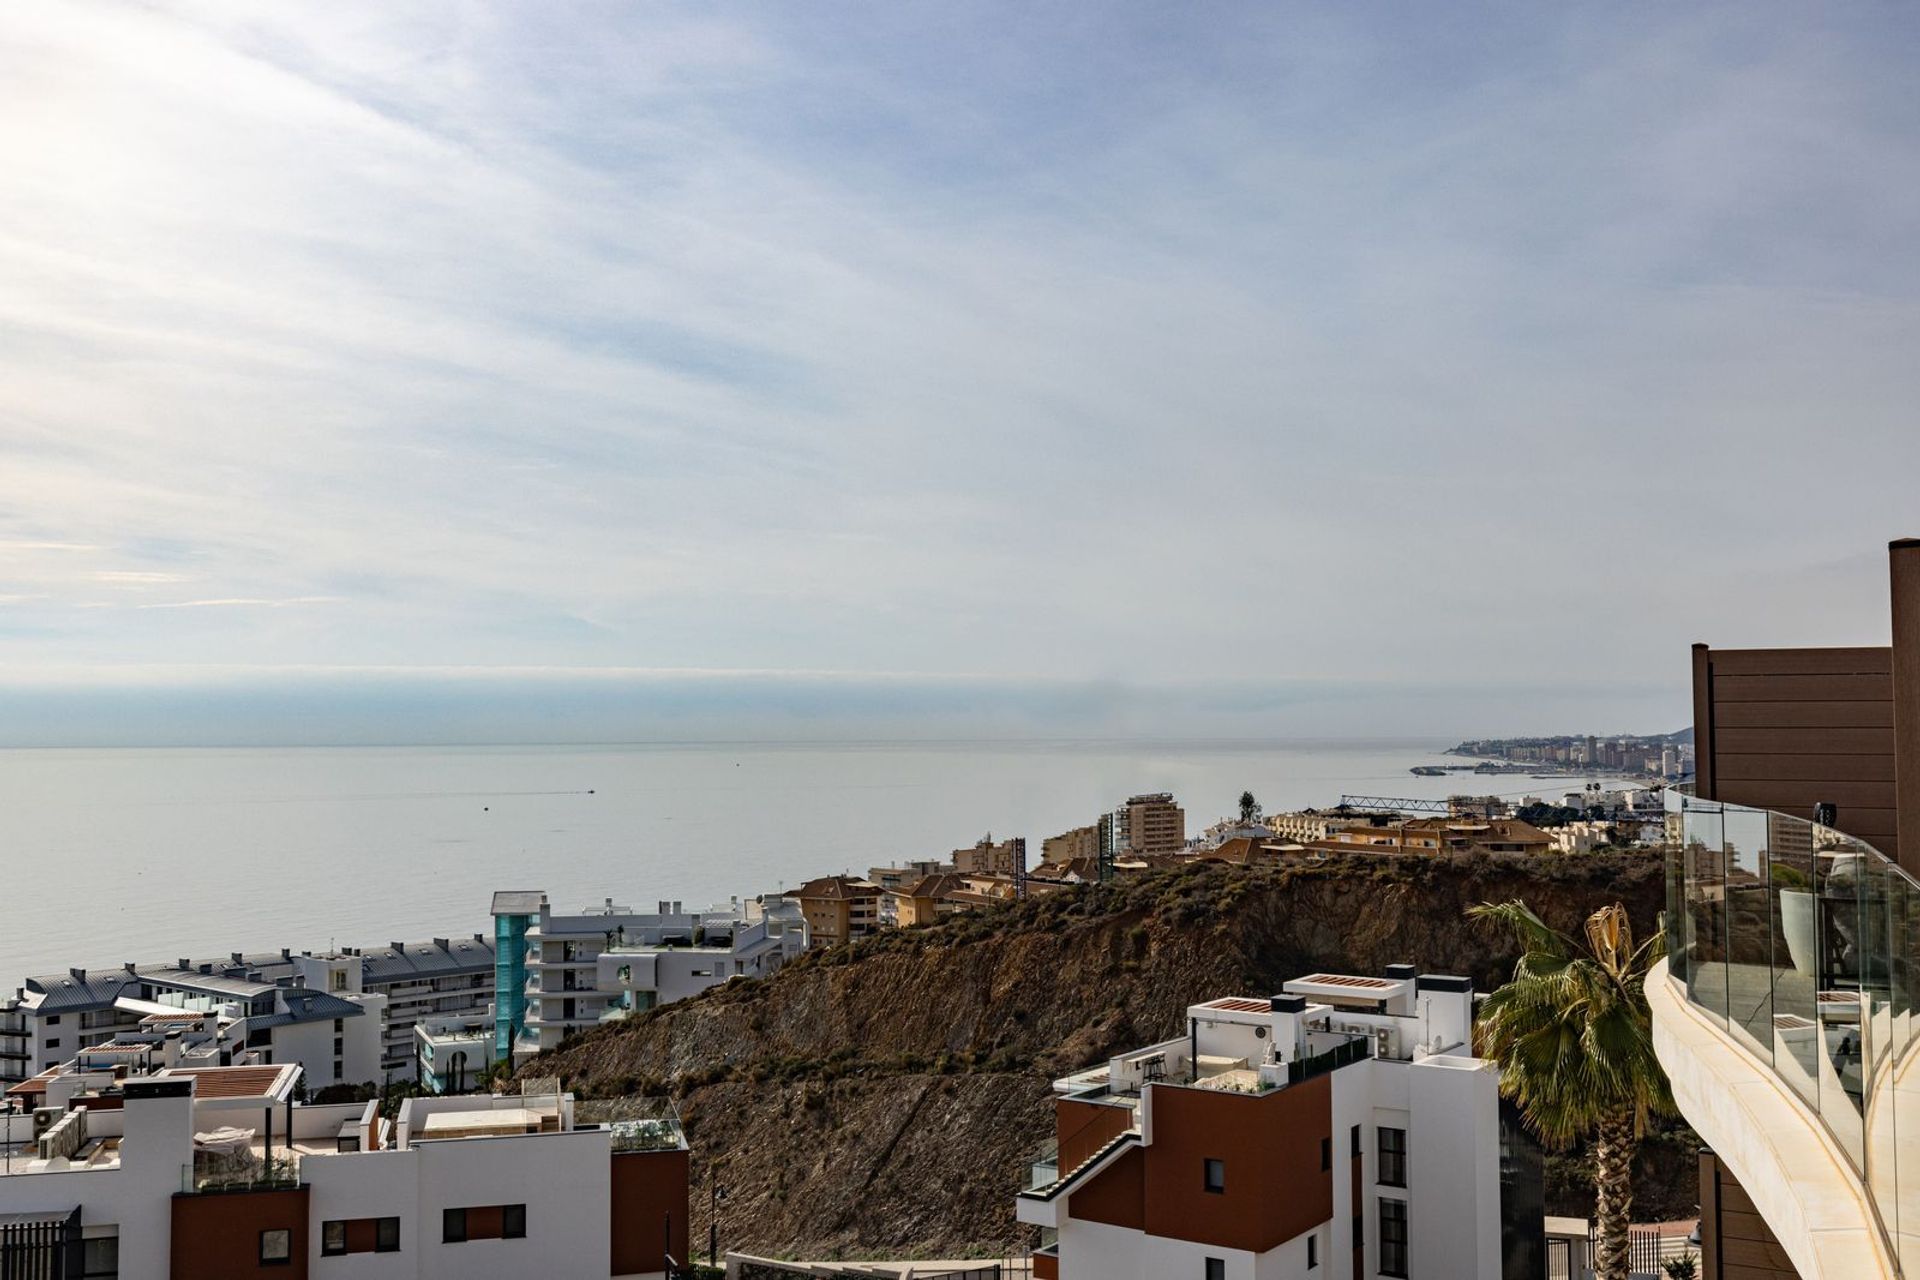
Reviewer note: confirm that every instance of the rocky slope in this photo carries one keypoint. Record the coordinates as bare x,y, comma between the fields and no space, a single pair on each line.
881,1098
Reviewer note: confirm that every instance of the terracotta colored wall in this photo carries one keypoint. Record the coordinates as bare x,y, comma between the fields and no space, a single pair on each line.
648,1188
1118,1196
1270,1143
1275,1188
1045,1268
217,1236
1082,1128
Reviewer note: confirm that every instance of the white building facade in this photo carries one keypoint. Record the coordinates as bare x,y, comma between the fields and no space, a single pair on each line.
1341,1128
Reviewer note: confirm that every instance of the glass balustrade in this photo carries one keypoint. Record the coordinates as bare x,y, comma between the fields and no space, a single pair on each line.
1804,944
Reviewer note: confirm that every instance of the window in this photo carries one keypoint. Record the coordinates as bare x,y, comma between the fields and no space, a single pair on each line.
386,1235
1393,1157
453,1226
1354,1149
1313,1252
276,1247
513,1222
54,1043
100,1258
1326,1154
1215,1176
338,1045
1216,1269
53,1019
333,1239
1393,1237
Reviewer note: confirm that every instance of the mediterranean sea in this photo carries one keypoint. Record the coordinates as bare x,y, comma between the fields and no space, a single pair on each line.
147,855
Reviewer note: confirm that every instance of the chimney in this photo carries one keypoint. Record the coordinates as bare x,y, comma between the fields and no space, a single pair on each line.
170,1050
1286,1011
79,975
399,948
238,958
286,953
130,968
443,944
184,963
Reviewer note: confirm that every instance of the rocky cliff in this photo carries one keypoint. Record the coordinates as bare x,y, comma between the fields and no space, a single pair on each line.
881,1098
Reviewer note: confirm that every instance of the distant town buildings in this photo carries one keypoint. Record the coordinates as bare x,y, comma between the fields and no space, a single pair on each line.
1340,1128
1145,824
1008,858
838,909
1081,842
1666,757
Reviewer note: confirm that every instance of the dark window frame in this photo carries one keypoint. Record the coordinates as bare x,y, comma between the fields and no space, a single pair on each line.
1313,1252
381,1243
1393,1157
449,1232
1213,1176
327,1249
1392,1255
1326,1155
1216,1269
513,1222
1357,1145
286,1259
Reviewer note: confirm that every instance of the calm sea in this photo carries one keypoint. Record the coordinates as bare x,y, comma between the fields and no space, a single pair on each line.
115,855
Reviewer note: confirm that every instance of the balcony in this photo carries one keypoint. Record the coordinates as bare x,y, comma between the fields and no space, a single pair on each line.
1785,1017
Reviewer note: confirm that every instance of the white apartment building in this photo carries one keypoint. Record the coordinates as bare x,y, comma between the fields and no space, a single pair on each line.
439,978
604,963
454,1051
1341,1128
53,1016
222,1014
187,1174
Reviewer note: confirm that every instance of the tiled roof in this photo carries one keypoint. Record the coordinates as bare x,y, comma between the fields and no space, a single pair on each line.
834,888
230,1082
62,992
460,955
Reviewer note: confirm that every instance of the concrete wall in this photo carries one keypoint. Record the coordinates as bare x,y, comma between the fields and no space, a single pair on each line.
1453,1169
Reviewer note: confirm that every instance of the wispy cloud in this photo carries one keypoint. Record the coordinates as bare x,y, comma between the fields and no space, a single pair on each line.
1294,343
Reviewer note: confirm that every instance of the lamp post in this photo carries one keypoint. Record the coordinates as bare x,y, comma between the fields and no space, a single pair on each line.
716,1193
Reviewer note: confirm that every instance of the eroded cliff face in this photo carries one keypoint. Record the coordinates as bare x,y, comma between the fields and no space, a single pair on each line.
882,1098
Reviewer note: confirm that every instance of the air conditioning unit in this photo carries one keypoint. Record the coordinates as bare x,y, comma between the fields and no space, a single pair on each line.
44,1118
1383,1042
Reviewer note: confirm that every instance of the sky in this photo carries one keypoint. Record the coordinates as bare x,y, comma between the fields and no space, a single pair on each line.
420,372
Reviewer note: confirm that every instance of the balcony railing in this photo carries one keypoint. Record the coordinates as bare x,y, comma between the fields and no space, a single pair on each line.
1803,943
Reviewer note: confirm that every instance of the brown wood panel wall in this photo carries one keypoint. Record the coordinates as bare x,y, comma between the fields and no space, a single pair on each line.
1787,728
1735,1241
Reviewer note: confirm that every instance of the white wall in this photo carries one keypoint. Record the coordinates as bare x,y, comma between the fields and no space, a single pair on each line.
1097,1251
1453,1169
137,1197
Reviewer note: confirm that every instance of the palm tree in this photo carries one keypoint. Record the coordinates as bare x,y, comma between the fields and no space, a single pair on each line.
1574,1041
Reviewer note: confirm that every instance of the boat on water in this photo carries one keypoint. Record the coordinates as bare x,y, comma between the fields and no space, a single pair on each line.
1430,771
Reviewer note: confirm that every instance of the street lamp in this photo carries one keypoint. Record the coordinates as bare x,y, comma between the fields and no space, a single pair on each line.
716,1193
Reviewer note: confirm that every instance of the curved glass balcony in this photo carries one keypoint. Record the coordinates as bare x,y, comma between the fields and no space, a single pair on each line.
1804,943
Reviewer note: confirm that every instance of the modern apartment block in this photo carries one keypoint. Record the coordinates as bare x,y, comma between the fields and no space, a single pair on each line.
1145,824
572,972
1784,1013
1400,835
1341,1128
205,1174
454,1052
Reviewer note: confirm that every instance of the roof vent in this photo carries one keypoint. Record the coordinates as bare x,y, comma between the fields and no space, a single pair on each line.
1288,1004
1400,972
399,948
443,944
79,975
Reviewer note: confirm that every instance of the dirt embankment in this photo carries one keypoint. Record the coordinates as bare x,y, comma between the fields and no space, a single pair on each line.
881,1098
